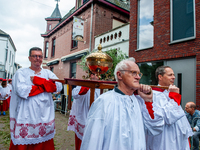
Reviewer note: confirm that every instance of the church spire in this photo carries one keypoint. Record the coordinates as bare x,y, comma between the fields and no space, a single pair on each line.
54,19
56,12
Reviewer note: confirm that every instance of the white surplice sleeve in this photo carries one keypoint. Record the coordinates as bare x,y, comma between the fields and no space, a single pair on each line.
75,92
156,125
22,86
171,111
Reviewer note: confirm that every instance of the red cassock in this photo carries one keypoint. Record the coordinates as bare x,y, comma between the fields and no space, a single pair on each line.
48,145
4,106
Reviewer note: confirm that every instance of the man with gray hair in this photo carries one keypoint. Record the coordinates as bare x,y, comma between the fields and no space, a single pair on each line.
117,119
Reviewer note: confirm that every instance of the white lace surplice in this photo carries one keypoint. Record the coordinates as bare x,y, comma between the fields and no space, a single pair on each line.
32,119
79,111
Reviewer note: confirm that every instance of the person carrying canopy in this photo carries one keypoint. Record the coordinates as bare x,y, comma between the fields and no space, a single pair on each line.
118,118
80,108
176,129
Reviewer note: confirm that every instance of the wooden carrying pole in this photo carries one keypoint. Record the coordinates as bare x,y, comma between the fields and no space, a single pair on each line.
92,84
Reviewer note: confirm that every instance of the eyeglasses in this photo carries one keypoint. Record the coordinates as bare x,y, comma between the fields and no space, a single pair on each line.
134,73
37,56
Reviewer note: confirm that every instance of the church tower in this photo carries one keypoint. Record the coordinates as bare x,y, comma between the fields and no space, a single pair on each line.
54,19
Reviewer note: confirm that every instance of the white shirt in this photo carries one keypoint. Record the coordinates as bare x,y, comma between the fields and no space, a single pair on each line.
79,111
115,122
32,119
176,129
3,92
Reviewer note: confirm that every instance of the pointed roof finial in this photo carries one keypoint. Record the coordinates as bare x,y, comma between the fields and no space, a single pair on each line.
56,12
57,1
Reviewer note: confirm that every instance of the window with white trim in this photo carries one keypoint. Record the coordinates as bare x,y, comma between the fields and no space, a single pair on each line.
182,20
145,24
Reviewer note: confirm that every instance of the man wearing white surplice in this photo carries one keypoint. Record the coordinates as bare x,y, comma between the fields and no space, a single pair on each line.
80,108
176,130
32,115
117,119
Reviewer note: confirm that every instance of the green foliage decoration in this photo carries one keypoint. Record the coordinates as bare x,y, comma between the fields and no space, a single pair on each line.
82,63
116,55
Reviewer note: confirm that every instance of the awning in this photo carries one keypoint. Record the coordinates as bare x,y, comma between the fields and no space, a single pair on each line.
75,55
52,62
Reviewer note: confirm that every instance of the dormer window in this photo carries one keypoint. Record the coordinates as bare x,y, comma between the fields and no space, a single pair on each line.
79,3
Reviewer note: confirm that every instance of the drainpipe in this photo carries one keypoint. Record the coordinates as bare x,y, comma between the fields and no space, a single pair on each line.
90,47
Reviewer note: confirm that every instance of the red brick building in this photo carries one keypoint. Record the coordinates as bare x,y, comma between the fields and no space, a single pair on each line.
175,42
60,52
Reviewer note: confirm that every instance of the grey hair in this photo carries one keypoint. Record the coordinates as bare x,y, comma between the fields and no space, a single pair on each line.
160,71
123,65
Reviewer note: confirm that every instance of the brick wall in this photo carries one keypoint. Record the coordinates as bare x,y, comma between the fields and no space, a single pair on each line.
162,50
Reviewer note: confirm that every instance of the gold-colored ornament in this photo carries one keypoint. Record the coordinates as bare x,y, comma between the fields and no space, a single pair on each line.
1,102
99,62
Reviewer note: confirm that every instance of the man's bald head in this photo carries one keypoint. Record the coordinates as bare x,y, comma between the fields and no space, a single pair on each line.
191,105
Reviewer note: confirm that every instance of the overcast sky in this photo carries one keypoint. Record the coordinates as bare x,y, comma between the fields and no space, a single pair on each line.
24,21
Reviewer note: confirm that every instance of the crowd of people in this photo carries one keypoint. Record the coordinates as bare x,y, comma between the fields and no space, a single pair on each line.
132,116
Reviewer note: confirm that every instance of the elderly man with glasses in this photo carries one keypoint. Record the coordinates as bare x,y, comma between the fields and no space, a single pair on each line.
118,118
32,117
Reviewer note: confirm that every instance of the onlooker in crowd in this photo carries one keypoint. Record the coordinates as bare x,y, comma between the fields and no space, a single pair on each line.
32,116
193,116
4,95
10,86
79,111
176,129
56,99
117,118
0,81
